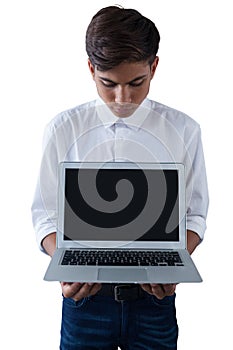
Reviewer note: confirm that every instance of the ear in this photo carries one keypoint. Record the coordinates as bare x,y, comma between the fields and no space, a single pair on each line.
154,66
91,68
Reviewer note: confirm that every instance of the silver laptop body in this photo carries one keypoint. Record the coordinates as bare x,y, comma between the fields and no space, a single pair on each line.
128,211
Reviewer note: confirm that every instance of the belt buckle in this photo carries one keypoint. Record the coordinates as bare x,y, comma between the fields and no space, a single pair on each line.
123,293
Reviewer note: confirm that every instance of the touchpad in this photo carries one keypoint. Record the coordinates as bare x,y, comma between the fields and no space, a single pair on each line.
122,275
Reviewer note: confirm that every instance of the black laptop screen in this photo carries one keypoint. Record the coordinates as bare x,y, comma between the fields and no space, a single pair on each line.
121,205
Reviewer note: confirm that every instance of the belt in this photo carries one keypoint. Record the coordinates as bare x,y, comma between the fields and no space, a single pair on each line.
122,292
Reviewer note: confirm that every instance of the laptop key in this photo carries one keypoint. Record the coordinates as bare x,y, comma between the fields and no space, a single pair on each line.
121,258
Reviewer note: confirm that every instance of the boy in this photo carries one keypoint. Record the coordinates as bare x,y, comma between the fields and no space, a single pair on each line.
122,124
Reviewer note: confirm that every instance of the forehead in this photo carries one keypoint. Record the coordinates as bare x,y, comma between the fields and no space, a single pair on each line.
125,71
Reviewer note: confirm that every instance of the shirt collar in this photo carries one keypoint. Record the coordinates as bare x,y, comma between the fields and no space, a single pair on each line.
133,121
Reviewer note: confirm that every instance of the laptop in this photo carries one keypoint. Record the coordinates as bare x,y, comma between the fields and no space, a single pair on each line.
121,222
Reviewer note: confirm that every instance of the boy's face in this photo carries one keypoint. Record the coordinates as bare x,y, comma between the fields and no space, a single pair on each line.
124,87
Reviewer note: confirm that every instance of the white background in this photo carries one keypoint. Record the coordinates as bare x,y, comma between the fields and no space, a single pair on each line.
44,71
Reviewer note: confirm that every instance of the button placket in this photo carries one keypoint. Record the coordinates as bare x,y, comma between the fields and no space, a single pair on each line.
120,139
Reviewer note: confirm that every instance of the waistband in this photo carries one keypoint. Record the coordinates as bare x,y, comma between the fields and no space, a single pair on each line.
122,292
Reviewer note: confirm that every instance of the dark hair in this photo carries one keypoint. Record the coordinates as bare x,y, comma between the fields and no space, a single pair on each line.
117,35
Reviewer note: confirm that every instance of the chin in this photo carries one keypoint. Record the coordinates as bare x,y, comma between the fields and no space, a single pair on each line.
123,111
122,114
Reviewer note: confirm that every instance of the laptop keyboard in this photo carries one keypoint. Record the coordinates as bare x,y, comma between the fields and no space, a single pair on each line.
121,258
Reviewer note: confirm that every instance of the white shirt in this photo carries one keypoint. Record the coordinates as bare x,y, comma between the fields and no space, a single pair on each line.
91,132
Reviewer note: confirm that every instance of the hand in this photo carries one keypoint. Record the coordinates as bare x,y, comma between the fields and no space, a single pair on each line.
159,290
78,291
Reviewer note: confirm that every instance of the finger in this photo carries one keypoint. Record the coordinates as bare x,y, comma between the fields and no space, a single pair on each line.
83,292
169,289
95,288
70,289
146,288
158,291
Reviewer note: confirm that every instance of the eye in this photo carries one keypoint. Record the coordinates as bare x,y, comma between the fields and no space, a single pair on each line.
108,84
135,84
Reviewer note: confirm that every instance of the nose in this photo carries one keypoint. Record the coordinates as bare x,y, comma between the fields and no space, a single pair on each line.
123,95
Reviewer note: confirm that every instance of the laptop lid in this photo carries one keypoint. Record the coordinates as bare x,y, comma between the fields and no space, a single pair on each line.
121,205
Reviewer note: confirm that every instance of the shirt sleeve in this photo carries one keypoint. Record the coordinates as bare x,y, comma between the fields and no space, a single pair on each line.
44,211
197,197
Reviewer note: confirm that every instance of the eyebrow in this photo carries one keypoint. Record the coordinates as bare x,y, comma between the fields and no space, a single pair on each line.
129,82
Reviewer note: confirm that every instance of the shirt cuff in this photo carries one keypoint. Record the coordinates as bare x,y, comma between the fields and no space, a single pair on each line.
197,224
42,232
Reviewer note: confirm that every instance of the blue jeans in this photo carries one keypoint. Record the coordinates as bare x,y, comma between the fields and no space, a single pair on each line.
100,322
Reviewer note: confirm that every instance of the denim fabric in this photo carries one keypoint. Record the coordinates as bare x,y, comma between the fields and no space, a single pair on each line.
99,322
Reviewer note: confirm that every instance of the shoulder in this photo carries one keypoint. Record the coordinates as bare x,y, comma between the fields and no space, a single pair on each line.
176,117
78,113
